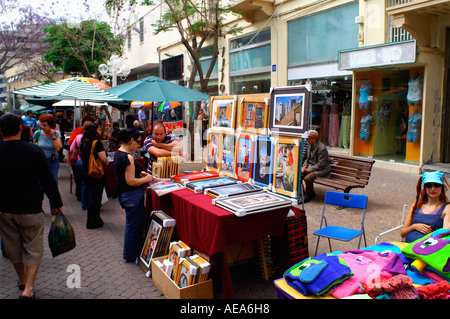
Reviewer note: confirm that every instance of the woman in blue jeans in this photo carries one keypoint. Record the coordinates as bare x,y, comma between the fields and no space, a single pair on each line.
49,141
131,178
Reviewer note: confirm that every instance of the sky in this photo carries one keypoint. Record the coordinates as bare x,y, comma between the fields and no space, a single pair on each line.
75,10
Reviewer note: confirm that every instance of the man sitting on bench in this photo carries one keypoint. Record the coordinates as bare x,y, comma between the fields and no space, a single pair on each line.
317,164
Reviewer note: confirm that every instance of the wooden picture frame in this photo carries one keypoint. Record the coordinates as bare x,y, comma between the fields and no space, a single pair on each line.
263,162
227,155
213,157
223,113
289,110
253,113
286,165
150,245
245,147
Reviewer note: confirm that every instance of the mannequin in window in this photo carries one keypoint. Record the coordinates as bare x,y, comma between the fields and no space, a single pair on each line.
364,91
413,134
366,122
415,86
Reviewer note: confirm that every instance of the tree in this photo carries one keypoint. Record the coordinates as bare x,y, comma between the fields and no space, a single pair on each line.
79,50
199,24
21,37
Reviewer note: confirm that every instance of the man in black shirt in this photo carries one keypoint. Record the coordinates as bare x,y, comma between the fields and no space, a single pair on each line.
24,171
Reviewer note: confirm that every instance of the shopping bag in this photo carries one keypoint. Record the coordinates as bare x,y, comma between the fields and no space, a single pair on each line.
61,237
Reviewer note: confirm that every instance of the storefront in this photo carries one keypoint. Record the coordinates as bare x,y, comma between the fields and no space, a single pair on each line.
388,101
388,114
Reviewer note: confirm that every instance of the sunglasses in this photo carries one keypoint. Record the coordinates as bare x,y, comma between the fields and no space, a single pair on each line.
430,185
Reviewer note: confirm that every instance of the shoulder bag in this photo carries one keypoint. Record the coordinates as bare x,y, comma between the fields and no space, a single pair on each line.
95,168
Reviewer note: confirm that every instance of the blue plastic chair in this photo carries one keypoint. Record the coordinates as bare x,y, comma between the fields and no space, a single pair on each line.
337,232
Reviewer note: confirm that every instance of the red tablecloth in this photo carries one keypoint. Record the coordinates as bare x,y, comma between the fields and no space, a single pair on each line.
210,229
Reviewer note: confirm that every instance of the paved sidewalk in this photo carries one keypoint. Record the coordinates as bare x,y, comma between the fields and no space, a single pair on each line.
104,274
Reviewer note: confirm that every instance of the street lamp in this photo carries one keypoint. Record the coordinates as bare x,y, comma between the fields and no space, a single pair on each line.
114,68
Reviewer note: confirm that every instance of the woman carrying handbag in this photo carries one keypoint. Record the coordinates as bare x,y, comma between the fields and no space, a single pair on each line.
90,143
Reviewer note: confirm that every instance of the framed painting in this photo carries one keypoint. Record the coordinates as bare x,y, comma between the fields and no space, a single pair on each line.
150,245
289,110
223,113
253,203
200,186
227,155
286,166
233,190
244,157
253,113
262,162
213,161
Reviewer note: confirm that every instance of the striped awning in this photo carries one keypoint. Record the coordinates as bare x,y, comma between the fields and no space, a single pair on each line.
74,88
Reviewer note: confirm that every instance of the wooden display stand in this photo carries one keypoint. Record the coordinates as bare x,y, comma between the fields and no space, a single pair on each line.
170,289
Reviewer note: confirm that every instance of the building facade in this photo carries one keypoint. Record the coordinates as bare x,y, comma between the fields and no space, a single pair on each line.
379,70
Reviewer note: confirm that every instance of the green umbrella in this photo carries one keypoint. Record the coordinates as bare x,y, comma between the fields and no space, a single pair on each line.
154,89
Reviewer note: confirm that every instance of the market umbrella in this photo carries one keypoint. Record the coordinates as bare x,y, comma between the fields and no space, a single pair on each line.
73,88
93,81
167,106
141,103
154,89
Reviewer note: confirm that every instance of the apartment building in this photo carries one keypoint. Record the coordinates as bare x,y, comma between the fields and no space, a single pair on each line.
379,69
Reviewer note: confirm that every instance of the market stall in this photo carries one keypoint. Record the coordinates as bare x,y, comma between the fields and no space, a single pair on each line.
209,228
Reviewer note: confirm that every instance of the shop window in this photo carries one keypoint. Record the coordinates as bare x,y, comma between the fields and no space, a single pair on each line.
331,110
250,52
173,68
388,114
250,84
321,36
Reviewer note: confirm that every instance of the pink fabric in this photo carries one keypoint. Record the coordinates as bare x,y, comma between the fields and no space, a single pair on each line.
367,265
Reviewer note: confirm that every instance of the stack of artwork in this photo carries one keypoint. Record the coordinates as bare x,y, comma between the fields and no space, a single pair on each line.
257,139
183,267
158,237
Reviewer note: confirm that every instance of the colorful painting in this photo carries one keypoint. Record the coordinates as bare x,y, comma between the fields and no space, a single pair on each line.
244,157
214,140
286,166
289,112
227,166
223,110
262,162
151,243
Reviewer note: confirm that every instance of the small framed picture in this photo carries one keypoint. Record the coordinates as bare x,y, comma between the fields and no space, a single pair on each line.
244,157
227,153
286,165
150,245
213,160
289,110
253,113
262,162
223,113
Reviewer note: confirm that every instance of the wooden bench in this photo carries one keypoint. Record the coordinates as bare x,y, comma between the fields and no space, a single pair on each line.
347,173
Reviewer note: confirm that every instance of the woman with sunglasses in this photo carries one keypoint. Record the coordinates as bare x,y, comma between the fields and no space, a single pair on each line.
131,178
430,210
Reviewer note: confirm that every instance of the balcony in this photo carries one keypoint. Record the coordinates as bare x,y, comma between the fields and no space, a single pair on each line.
417,17
253,10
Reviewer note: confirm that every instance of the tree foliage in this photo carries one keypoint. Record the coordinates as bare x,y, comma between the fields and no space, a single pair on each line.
78,50
199,23
21,36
